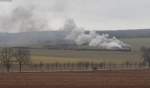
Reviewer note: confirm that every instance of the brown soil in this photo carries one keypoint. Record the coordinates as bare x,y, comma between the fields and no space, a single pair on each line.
99,79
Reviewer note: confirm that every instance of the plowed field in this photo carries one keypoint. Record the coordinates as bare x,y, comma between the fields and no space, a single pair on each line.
98,79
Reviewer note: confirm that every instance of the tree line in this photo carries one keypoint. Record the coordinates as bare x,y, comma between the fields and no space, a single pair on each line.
22,55
13,55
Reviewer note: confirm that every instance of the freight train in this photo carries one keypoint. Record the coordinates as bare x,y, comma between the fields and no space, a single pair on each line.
85,48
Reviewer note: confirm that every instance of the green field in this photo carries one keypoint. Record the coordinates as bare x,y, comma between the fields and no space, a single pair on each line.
137,43
72,56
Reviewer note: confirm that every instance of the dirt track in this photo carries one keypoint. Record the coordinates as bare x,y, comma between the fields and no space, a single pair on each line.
100,79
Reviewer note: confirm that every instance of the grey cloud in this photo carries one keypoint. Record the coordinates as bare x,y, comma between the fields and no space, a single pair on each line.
94,14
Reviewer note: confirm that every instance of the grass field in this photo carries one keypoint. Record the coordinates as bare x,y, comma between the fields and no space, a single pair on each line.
62,56
137,43
72,56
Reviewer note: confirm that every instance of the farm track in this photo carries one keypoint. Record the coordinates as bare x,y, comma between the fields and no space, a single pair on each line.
99,79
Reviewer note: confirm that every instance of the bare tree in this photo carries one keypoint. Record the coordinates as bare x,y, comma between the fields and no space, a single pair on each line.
127,63
6,57
22,55
146,55
41,66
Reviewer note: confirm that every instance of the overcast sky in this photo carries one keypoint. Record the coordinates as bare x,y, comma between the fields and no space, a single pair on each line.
89,14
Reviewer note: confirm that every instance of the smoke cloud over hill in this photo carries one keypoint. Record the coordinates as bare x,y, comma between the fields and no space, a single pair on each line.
28,24
93,39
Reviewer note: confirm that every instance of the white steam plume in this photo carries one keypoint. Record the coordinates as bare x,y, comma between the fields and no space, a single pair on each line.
93,39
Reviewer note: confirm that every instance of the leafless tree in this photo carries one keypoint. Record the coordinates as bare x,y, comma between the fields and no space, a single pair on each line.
41,66
22,55
6,55
146,55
